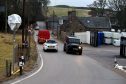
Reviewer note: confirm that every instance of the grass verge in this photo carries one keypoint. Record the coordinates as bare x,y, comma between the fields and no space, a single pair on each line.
64,12
6,52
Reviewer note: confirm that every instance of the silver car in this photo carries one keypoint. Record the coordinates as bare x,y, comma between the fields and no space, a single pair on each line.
50,45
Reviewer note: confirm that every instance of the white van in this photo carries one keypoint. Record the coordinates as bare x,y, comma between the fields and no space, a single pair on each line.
40,25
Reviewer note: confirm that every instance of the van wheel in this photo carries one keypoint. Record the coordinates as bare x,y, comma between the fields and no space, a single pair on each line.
44,50
38,42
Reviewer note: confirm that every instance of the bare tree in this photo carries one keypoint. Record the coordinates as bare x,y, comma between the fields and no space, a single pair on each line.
99,6
44,6
120,7
36,9
116,5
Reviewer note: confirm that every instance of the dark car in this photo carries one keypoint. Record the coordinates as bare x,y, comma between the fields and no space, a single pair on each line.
72,45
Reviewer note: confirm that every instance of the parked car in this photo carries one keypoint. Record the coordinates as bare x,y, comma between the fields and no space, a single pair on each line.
50,45
72,45
43,36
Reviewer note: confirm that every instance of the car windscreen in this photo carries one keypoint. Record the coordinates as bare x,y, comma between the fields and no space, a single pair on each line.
51,41
73,40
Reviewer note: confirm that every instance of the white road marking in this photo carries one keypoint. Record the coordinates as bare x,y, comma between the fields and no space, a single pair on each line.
31,74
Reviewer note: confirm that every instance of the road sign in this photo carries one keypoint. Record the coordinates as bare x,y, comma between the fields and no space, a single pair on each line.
60,21
14,21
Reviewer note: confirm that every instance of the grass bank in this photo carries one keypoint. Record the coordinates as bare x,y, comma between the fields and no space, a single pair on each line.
6,52
64,11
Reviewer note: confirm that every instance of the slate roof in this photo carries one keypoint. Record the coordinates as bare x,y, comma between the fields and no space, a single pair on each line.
95,22
57,18
52,19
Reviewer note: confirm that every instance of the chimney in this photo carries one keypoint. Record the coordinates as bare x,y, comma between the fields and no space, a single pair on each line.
71,15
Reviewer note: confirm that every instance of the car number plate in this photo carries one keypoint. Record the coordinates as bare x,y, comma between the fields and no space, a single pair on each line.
51,46
75,49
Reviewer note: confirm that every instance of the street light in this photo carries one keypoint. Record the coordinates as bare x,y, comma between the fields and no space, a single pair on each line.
6,16
14,22
23,18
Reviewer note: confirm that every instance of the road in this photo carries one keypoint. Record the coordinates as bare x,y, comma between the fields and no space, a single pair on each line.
61,68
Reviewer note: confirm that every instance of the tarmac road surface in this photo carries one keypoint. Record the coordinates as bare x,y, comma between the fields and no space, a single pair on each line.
61,68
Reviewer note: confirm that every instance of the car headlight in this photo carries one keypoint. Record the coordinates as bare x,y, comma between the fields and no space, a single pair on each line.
79,47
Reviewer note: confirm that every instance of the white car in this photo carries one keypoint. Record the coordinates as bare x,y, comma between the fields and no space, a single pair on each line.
50,45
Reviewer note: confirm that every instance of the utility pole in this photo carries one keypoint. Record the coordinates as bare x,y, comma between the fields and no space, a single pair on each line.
53,21
23,21
6,16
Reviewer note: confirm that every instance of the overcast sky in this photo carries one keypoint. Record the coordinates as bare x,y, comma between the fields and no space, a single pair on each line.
78,3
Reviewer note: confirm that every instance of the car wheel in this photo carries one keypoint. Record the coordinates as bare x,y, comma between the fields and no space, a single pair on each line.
64,48
38,42
80,53
56,50
67,51
44,50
